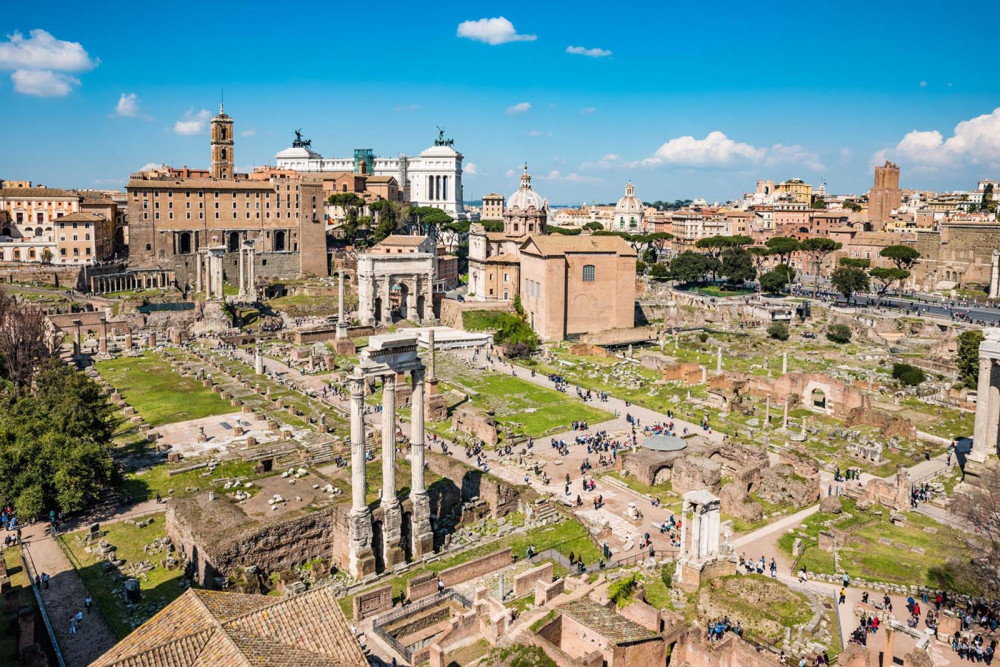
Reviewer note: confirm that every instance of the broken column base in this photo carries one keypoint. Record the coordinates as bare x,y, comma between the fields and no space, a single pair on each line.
976,472
361,558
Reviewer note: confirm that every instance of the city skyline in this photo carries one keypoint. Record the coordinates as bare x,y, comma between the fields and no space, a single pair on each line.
586,107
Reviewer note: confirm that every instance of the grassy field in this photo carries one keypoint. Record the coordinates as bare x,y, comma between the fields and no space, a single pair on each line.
479,320
525,407
158,393
145,484
722,291
21,590
303,305
763,606
159,586
866,552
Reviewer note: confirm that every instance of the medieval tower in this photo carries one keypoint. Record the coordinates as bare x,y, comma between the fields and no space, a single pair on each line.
222,145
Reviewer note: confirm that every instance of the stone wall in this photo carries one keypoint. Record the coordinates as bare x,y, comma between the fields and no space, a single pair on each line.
423,586
501,496
372,602
68,277
479,424
217,537
692,473
524,583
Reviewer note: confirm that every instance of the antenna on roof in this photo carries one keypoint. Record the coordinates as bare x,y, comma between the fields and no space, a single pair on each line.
222,100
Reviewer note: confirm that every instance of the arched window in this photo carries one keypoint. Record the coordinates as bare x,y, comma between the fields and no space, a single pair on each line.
279,241
234,242
223,154
184,243
588,273
223,137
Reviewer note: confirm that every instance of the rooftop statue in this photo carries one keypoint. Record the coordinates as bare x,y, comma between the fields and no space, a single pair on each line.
299,142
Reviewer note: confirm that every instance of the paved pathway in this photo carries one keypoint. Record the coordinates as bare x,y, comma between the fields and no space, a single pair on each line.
65,597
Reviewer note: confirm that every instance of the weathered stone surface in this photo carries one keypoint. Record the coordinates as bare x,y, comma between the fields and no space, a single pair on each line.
735,501
831,505
692,473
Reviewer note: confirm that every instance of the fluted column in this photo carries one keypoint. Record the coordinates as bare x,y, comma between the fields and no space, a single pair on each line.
361,560
980,434
389,440
341,323
423,536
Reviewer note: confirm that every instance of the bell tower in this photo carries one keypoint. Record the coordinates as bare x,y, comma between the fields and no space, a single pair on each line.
222,145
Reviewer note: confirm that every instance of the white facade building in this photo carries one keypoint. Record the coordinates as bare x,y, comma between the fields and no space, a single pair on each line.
629,212
433,178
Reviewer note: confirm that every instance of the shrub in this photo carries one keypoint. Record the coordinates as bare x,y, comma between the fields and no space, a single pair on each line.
703,336
778,331
667,574
839,333
620,591
640,266
908,374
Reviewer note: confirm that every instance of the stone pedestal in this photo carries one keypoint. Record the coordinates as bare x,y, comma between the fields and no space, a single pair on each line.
435,405
345,346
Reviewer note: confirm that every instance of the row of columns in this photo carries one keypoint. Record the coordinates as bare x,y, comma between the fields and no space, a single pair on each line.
248,269
437,188
129,281
208,272
361,555
103,340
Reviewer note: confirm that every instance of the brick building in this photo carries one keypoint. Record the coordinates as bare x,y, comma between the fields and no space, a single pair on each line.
172,217
885,195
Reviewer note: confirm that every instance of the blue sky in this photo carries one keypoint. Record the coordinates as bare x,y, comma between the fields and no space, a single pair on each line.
686,99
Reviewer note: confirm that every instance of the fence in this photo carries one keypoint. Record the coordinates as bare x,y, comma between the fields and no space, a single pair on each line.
378,626
555,556
29,568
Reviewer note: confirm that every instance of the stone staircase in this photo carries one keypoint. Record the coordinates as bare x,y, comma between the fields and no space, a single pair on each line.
546,513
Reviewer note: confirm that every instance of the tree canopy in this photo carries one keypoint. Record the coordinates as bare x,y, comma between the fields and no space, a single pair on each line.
817,248
968,357
688,267
737,265
849,280
903,256
886,277
55,451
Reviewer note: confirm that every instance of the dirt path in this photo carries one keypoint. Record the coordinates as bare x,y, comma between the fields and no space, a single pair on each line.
64,598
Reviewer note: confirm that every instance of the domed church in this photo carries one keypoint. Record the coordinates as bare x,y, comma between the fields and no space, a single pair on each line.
628,215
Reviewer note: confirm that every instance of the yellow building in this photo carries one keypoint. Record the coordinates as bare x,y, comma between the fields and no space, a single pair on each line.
796,190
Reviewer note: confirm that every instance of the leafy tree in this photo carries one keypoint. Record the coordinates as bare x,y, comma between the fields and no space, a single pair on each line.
817,249
908,374
784,247
817,202
849,280
659,271
514,335
46,256
492,225
687,267
712,265
852,206
887,276
856,262
593,226
988,203
640,267
649,255
778,330
977,572
903,256
968,357
425,216
717,244
776,279
737,265
839,333
351,203
565,231
518,307
758,253
55,444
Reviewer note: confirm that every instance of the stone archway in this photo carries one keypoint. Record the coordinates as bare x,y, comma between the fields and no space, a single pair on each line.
817,399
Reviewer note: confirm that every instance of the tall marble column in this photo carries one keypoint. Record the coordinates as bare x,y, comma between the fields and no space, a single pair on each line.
423,536
242,276
387,303
341,322
361,559
392,522
197,271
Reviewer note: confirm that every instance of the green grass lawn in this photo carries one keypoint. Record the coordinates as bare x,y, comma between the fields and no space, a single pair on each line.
158,393
302,305
145,484
21,590
479,320
723,291
159,586
863,555
743,597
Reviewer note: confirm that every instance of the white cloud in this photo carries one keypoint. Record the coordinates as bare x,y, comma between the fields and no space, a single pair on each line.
193,123
535,133
590,53
587,110
510,173
520,107
780,154
845,155
128,105
492,31
42,51
150,165
608,161
43,82
923,84
556,175
470,169
973,141
716,149
40,63
252,132
407,107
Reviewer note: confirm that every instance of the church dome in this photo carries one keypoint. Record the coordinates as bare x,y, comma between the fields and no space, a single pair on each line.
629,205
525,197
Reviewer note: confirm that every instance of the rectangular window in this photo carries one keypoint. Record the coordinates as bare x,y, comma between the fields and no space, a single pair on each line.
588,273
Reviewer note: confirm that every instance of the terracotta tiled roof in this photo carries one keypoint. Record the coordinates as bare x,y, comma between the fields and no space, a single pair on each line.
212,629
37,193
196,184
82,216
606,622
403,240
559,244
